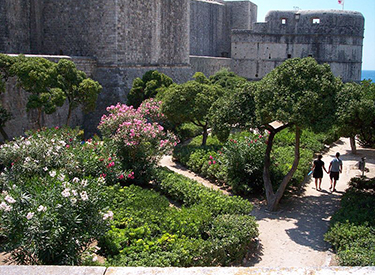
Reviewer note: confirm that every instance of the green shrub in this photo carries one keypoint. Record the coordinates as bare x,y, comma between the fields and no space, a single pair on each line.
352,229
148,232
187,131
243,159
190,192
283,157
52,219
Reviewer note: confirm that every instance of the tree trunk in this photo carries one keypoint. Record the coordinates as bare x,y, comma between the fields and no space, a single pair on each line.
273,199
274,202
352,145
266,170
69,115
205,135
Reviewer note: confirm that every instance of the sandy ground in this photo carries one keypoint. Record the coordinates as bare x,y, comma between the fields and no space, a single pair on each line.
293,236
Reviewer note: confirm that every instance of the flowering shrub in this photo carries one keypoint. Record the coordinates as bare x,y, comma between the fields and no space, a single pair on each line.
53,203
138,139
41,151
243,159
52,219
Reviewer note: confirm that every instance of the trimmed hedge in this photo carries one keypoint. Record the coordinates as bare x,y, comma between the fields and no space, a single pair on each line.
209,229
352,230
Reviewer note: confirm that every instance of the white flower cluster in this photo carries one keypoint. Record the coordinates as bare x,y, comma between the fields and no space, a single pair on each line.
68,192
6,205
108,215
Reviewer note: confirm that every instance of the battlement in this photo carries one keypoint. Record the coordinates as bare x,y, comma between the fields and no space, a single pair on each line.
328,22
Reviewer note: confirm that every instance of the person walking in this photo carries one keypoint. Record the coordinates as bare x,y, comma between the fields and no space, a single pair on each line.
318,166
334,170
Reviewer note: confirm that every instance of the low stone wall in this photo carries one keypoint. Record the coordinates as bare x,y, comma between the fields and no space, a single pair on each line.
209,65
88,270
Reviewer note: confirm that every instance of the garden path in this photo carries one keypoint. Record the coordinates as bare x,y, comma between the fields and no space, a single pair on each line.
294,235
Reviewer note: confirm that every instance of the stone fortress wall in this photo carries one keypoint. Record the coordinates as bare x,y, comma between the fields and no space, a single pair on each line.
333,37
115,41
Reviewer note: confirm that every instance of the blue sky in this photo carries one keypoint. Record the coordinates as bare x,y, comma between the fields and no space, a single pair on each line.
366,7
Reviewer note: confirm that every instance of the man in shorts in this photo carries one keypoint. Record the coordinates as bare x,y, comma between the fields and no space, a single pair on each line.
334,170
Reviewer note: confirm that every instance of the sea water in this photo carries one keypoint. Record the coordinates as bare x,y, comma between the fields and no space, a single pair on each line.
367,74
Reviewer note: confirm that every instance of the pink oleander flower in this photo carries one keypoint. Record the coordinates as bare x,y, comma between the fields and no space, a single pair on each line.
9,199
121,177
131,175
30,215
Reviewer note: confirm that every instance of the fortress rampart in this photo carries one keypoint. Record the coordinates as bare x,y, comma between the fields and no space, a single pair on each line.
116,41
333,37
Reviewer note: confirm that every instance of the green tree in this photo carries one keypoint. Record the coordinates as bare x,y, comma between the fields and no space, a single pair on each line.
76,87
36,76
356,112
227,79
191,102
5,116
151,83
234,110
298,94
6,63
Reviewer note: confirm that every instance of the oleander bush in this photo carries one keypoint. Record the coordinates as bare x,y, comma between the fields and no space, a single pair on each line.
53,203
208,228
352,227
137,136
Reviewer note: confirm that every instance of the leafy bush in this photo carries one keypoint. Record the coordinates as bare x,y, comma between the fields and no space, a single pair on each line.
209,229
138,141
188,130
352,227
189,192
53,198
243,160
283,157
52,219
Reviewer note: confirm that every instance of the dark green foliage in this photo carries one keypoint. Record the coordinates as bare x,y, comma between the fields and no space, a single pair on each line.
187,131
189,193
6,63
352,230
224,116
356,112
76,87
227,79
300,92
151,83
191,102
209,229
239,162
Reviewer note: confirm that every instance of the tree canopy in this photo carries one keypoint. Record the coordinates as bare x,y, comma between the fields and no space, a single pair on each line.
356,112
151,83
191,102
299,93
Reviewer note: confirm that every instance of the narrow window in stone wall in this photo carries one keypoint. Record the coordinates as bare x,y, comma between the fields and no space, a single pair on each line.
283,21
316,20
289,55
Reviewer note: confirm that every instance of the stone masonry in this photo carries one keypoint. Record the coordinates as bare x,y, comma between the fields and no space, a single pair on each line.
116,41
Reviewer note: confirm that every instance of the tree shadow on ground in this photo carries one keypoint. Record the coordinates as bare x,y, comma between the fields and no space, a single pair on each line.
311,215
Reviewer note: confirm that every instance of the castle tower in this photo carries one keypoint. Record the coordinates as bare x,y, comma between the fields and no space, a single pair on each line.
333,37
